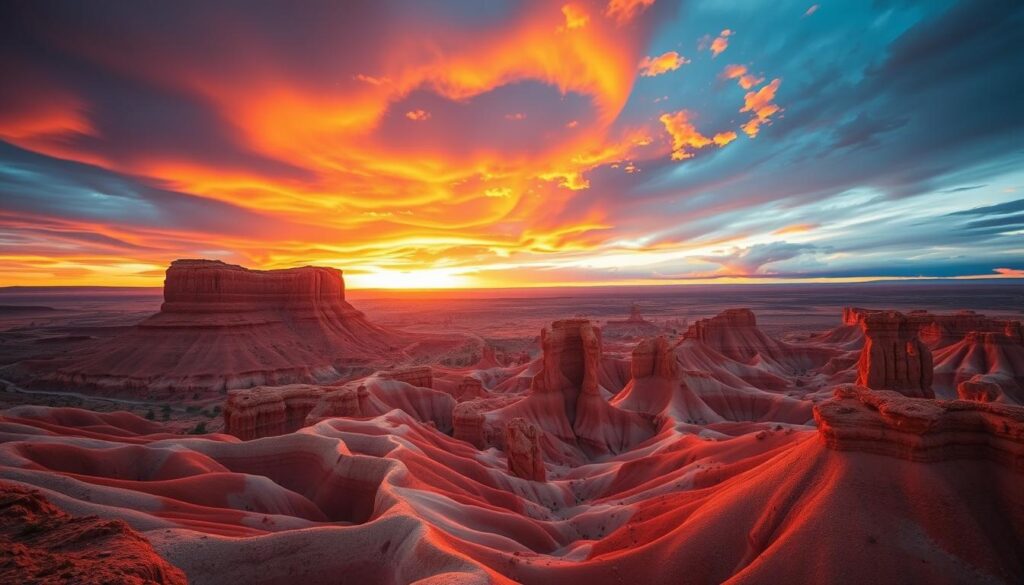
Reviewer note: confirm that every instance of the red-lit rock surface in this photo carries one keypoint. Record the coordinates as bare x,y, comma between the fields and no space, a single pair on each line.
269,410
919,429
890,486
893,358
522,447
678,464
995,360
223,326
567,400
40,543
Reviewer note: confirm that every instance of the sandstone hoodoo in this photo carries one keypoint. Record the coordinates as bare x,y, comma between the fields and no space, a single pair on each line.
223,326
522,446
567,401
893,358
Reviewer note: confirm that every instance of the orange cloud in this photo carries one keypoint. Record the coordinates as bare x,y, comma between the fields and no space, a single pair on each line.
624,10
417,115
575,17
760,104
670,61
739,72
798,228
723,138
685,137
1011,272
721,42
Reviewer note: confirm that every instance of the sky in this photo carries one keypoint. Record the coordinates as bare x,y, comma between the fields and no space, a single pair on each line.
432,143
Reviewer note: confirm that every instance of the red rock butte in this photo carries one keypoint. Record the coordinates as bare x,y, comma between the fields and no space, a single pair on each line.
223,326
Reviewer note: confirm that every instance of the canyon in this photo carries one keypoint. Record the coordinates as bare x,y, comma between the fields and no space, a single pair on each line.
259,428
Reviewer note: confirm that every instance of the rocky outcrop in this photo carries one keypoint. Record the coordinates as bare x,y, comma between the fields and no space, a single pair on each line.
889,423
893,358
979,389
347,401
734,334
571,360
654,357
994,359
522,447
223,326
566,400
40,543
269,411
419,376
470,388
938,331
720,332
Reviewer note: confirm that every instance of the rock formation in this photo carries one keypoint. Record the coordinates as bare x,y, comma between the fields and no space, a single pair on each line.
522,447
654,357
985,364
268,411
938,331
893,358
419,376
734,334
567,400
223,326
40,543
979,389
889,423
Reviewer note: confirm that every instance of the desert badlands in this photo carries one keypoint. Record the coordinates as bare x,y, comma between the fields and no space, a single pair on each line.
258,428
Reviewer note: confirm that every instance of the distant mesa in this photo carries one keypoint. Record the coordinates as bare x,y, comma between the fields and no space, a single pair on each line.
223,326
631,327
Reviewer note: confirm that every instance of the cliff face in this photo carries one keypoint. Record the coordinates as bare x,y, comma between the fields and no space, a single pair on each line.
223,326
213,286
889,423
893,358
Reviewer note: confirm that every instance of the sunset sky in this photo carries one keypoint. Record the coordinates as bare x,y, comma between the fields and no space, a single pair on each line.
496,143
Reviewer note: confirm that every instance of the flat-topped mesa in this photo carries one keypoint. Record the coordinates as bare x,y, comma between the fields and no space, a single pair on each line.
522,447
222,327
706,329
197,286
889,423
893,358
571,361
421,376
268,411
734,334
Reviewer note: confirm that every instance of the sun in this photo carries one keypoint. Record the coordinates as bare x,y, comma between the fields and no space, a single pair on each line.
409,279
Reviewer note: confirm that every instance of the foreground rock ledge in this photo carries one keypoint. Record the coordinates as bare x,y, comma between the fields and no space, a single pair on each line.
917,429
